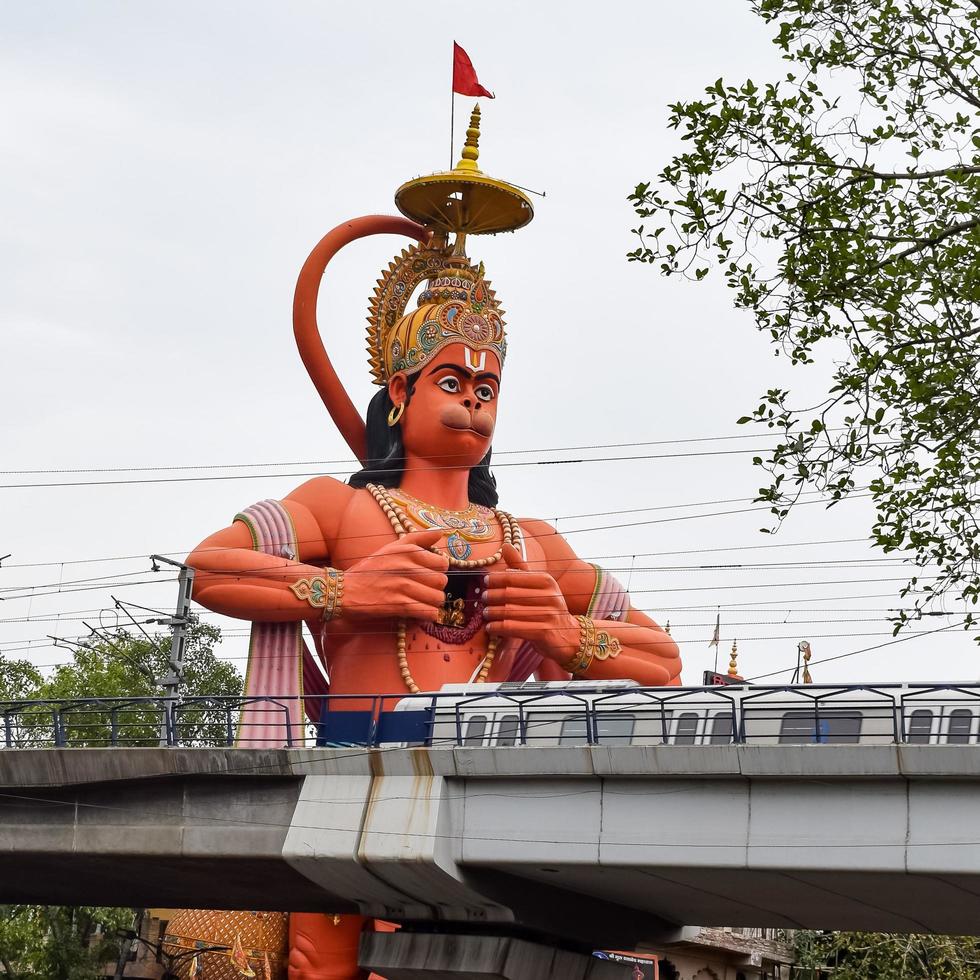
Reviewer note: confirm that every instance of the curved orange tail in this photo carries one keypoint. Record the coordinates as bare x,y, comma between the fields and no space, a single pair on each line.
307,333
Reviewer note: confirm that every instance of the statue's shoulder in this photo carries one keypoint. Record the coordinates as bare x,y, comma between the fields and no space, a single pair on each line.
540,535
325,498
535,528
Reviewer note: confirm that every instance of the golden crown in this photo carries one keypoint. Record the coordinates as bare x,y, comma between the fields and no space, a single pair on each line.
457,305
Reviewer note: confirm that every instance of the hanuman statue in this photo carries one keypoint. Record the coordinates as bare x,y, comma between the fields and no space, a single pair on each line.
409,575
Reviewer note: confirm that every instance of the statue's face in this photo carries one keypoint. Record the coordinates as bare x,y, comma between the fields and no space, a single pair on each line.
453,409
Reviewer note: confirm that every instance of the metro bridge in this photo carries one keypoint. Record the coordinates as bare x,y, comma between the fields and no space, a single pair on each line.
816,807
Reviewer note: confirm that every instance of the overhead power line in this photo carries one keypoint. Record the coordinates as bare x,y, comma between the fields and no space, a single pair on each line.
347,461
348,470
638,554
788,638
527,535
863,650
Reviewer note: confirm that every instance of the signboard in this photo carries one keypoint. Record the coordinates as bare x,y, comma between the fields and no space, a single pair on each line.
714,679
645,965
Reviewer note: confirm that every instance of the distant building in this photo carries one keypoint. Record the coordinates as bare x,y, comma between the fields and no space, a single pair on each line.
727,954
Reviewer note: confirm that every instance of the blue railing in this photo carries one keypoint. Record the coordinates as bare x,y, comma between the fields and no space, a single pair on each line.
512,715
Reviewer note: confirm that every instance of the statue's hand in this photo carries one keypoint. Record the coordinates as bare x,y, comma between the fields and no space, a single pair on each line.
403,579
529,605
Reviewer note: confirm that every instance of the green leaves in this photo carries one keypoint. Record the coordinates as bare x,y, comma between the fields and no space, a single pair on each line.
860,955
59,942
124,665
861,254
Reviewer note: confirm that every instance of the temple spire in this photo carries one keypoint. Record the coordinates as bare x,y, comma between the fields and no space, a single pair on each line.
733,662
471,148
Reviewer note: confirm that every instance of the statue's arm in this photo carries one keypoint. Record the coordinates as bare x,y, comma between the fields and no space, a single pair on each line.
540,604
402,578
234,579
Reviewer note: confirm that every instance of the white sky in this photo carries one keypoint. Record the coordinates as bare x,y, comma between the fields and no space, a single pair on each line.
166,168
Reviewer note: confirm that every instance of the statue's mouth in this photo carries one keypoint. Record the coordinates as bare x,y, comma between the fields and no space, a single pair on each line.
482,426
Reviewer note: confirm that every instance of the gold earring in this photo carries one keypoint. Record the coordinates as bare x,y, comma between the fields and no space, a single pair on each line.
394,416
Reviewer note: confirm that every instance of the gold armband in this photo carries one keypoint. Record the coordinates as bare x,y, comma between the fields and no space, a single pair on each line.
326,592
594,644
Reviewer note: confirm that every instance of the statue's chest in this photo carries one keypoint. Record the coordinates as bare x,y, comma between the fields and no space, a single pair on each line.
471,538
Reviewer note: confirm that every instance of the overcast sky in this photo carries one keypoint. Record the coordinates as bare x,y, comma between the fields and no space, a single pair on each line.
165,170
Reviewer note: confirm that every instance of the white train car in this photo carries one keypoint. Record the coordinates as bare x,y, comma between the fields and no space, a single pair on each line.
623,713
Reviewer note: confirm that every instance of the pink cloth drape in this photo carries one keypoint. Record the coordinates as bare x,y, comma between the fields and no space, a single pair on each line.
280,665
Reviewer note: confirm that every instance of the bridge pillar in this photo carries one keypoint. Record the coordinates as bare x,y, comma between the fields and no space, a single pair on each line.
426,956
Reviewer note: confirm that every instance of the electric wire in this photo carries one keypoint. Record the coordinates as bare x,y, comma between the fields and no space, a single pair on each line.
856,564
348,461
386,536
640,554
681,642
636,457
863,650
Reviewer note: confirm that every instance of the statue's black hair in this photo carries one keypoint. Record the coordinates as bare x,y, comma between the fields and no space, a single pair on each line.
386,453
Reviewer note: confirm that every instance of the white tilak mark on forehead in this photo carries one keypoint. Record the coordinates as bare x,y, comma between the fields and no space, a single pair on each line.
471,359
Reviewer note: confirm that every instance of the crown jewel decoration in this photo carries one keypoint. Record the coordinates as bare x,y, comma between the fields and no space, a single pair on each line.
457,304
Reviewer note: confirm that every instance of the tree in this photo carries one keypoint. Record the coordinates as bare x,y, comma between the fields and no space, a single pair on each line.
842,206
122,664
19,679
75,942
881,956
59,942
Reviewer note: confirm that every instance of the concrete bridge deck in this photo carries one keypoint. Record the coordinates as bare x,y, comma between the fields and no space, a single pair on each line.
596,845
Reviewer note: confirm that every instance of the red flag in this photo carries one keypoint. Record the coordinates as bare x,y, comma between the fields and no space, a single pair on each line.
465,81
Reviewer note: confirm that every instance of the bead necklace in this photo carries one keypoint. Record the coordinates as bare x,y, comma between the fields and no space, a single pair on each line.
473,523
400,521
400,524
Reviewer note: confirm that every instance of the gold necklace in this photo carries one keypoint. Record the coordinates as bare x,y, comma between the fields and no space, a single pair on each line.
399,523
473,523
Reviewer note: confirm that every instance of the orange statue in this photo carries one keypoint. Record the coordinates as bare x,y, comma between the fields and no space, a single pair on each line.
408,576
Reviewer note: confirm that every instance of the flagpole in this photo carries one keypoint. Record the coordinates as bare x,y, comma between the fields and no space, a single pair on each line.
717,637
452,106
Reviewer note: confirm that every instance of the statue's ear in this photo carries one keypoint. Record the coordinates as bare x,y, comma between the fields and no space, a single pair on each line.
398,388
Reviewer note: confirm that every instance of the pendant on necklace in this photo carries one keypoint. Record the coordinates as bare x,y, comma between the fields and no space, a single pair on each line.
458,546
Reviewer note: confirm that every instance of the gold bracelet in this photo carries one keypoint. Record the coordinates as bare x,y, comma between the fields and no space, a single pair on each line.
594,644
326,593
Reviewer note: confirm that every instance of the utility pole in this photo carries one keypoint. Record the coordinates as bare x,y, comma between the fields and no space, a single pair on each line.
178,624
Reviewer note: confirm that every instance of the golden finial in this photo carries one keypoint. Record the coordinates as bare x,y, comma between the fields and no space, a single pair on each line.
733,663
471,148
465,200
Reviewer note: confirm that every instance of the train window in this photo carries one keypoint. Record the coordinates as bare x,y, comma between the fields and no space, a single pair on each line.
687,728
615,729
476,728
920,726
796,727
574,731
507,729
960,723
840,728
827,727
721,730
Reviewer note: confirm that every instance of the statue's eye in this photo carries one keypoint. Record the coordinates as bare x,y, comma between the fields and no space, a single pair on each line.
449,383
485,393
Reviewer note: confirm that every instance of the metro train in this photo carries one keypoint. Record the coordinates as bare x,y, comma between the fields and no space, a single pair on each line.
623,713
